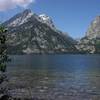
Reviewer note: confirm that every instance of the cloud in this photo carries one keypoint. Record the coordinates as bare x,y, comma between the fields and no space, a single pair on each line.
9,4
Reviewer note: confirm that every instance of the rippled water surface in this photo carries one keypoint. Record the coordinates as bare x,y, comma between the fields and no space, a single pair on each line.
55,77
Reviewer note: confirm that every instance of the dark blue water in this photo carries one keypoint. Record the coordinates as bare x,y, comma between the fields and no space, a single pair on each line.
57,77
56,62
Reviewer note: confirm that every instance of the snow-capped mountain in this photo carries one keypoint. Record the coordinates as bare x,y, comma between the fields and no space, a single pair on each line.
32,33
23,17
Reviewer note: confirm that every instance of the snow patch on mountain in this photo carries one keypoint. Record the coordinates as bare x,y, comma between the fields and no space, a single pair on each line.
47,20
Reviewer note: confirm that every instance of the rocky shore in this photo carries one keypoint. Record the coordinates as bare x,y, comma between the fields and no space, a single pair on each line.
32,86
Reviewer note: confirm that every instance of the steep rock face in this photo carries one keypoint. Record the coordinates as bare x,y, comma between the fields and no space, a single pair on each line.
86,45
19,19
91,42
29,33
94,29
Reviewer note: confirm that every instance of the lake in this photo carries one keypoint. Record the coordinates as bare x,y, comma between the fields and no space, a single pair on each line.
54,77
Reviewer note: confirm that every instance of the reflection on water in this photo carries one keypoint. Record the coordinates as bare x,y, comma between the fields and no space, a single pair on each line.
55,77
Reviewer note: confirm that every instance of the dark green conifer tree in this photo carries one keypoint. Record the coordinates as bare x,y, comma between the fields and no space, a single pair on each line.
3,60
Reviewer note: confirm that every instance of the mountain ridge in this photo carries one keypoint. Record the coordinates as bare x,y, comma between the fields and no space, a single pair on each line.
29,33
91,42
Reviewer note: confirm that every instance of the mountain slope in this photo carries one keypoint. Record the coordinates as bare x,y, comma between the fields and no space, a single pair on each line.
91,42
30,33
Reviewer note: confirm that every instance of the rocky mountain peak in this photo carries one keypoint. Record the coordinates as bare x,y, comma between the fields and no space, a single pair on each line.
94,29
91,42
27,11
19,19
46,19
31,33
24,16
